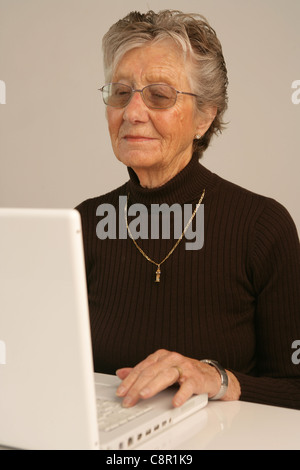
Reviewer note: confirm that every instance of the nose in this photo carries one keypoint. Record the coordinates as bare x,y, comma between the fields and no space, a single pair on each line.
136,110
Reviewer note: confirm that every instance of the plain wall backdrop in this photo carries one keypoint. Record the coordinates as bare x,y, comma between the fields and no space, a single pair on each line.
54,145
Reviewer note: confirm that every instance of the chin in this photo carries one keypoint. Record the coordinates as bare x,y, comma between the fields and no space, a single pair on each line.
139,160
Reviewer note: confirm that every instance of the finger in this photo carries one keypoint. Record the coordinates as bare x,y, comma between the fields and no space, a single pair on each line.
186,390
123,373
149,382
161,381
138,380
130,376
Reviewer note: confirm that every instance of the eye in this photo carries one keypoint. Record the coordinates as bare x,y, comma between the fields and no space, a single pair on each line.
121,90
160,96
161,92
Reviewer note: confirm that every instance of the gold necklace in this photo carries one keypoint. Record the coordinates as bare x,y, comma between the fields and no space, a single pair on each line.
158,271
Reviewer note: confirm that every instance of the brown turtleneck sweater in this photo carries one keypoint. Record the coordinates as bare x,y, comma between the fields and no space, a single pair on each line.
235,300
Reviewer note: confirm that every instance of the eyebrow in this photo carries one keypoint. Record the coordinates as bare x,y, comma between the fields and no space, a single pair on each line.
151,78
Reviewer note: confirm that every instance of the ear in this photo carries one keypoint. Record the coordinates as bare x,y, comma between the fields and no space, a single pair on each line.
205,118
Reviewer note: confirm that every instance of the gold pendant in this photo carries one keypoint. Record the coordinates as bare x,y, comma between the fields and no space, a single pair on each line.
157,274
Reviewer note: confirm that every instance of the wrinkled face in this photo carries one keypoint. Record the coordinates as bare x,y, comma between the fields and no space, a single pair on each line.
154,141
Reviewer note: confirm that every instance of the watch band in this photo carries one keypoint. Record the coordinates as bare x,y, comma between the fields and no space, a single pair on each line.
223,375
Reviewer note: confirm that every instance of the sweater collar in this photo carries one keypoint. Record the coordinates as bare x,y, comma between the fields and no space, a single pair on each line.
185,187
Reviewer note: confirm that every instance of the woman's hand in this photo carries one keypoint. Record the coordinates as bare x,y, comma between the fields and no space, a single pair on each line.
164,368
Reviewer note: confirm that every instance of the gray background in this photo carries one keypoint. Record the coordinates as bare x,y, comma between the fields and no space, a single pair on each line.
54,144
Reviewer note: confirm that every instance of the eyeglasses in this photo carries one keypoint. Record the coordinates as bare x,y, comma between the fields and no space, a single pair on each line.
156,96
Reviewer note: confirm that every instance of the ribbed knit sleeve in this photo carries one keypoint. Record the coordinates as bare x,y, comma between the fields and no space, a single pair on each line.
275,263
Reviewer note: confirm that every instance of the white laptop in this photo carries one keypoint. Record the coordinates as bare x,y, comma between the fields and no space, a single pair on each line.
49,393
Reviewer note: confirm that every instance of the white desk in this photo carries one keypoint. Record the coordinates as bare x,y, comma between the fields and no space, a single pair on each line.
234,426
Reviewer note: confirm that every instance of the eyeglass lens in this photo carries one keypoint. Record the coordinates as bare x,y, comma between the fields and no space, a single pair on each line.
159,96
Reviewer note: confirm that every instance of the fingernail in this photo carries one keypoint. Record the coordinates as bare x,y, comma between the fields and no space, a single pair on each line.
127,401
177,402
121,391
144,392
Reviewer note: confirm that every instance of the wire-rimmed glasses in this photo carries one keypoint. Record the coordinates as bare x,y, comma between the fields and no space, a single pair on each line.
155,96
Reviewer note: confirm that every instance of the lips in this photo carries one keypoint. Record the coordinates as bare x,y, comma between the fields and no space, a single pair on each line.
137,138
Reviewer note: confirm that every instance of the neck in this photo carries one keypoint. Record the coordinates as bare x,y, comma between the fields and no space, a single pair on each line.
186,186
156,177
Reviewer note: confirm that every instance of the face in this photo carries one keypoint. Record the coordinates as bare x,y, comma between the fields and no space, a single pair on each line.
155,143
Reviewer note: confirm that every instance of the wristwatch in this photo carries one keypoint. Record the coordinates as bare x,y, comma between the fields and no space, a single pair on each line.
223,375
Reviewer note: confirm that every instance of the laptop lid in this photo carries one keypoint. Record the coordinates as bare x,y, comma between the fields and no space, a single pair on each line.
47,392
47,384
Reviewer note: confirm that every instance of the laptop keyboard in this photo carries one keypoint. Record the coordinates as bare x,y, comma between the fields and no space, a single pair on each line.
111,414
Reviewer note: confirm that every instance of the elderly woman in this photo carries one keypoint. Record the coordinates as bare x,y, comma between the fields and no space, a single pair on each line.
222,318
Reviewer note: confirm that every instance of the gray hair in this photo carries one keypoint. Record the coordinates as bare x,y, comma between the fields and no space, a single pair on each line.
199,44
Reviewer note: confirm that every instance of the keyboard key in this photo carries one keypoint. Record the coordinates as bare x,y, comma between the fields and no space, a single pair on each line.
111,414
